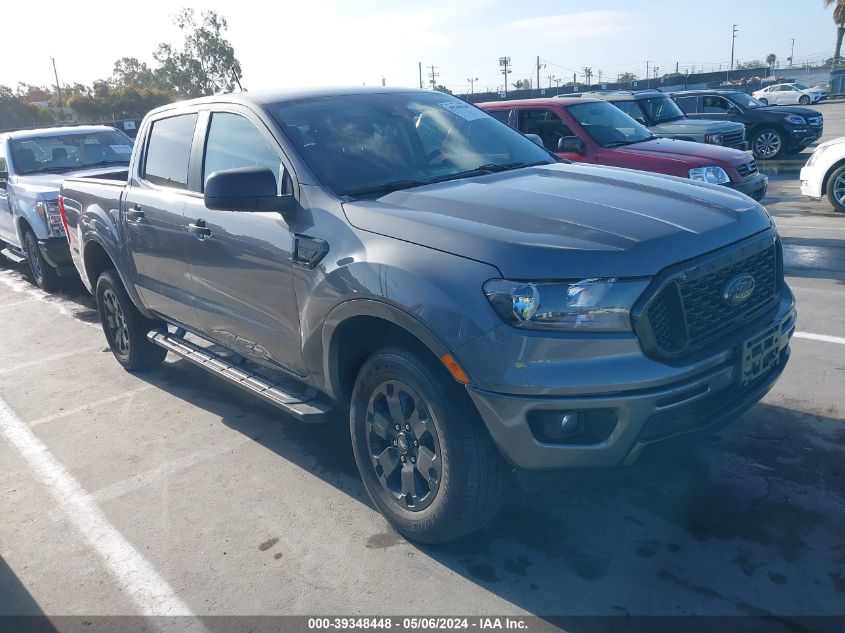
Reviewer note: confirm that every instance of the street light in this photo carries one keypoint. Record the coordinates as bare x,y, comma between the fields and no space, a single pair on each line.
733,44
472,81
504,63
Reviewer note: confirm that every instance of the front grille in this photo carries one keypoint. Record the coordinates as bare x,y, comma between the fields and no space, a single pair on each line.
688,311
815,121
734,139
748,169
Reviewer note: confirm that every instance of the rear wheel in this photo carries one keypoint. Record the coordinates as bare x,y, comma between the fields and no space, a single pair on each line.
44,275
836,189
767,144
804,100
125,327
423,452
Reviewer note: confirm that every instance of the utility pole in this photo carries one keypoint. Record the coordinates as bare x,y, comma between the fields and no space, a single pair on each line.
434,76
647,79
551,78
557,83
383,81
733,45
539,66
472,81
792,53
504,63
588,74
420,66
677,64
58,85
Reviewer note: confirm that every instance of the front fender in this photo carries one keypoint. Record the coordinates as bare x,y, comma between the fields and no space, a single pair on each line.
23,207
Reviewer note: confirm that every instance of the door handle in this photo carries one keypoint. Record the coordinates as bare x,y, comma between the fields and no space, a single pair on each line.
200,229
135,214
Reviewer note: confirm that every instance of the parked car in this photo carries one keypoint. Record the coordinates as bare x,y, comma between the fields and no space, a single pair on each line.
824,174
32,164
592,131
789,94
772,130
473,303
656,111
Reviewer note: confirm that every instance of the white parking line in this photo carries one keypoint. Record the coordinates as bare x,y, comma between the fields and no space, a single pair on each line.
820,337
14,281
90,405
135,576
40,361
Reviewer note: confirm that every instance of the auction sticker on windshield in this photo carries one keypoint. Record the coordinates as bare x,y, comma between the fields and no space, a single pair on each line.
463,110
121,149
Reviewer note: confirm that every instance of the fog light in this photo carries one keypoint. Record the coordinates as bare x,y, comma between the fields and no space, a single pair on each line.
582,427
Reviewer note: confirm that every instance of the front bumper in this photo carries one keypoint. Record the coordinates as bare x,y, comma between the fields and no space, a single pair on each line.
801,137
705,401
56,252
811,182
753,187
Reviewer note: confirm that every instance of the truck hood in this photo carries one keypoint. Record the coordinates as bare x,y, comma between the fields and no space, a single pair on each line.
688,152
566,220
47,185
696,126
779,110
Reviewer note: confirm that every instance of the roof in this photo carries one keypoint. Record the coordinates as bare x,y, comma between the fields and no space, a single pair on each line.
624,95
705,91
263,97
54,131
553,101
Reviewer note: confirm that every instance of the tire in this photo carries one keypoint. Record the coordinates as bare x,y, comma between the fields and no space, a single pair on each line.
458,483
125,327
804,100
768,144
764,101
836,189
44,275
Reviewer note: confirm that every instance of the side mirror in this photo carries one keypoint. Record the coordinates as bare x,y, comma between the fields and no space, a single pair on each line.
570,145
536,139
245,189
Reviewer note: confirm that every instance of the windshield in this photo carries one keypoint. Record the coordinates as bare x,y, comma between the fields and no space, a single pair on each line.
371,143
661,109
801,86
746,101
607,125
69,151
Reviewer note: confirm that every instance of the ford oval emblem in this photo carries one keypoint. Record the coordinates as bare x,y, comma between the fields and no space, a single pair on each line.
738,289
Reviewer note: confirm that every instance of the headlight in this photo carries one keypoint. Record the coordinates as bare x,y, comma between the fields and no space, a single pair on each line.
795,119
713,139
714,175
597,305
821,149
49,213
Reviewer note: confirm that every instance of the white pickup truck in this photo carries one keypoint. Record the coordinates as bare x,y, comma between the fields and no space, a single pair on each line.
33,164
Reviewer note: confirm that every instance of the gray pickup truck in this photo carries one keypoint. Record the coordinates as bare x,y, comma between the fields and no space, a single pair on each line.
32,165
472,304
661,115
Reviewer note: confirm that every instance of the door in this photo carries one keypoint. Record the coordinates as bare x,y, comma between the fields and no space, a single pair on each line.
7,223
152,212
241,263
716,107
551,128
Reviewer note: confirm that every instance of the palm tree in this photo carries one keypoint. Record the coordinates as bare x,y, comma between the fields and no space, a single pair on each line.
839,19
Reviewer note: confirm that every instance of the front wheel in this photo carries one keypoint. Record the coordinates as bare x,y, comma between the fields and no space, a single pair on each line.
836,189
44,275
125,327
804,100
767,144
426,459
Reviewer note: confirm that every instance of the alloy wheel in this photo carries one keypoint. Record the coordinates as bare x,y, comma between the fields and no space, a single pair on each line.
34,260
839,189
116,323
403,445
767,144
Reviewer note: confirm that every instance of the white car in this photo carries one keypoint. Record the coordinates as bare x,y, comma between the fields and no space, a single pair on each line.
824,174
785,94
817,92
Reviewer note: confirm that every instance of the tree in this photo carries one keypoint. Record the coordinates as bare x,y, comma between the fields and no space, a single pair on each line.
206,63
129,71
839,20
627,77
440,88
15,113
771,58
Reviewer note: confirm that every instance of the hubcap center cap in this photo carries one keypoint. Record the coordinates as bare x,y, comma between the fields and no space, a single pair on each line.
402,444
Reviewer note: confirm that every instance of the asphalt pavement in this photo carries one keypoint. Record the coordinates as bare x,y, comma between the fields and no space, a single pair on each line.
170,492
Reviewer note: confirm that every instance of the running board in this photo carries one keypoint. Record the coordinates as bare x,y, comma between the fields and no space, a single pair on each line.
304,406
14,254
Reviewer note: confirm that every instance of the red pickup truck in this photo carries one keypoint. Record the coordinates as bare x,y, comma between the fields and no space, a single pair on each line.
594,131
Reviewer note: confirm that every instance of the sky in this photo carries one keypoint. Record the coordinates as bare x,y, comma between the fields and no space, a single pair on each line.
285,44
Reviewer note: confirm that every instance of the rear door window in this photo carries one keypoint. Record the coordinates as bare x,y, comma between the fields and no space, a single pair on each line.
502,115
715,104
169,151
546,124
632,109
688,104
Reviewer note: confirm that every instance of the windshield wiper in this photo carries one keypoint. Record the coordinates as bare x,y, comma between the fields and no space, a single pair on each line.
387,187
488,168
104,163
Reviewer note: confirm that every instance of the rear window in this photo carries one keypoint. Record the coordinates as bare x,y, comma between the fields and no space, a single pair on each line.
59,153
169,151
